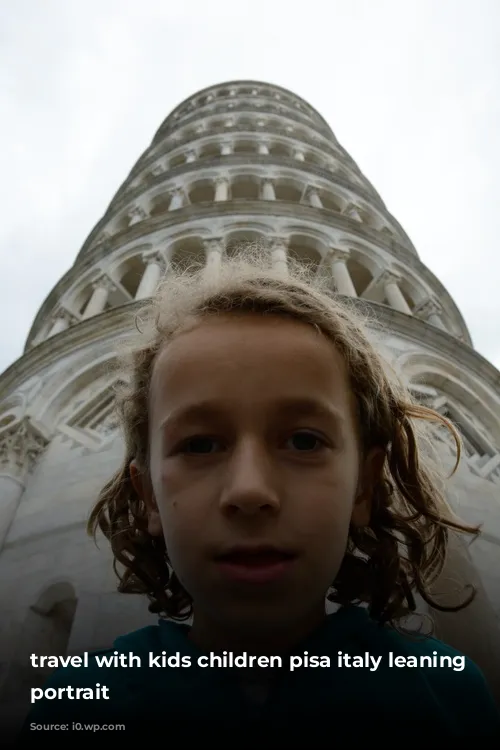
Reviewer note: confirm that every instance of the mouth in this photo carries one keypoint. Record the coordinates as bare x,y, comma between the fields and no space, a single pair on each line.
258,564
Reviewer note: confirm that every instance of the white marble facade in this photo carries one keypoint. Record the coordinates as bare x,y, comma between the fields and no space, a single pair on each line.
240,161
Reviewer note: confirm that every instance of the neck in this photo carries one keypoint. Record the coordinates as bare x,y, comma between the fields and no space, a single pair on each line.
214,635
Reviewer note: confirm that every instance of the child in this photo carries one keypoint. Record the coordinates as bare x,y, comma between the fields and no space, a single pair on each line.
271,463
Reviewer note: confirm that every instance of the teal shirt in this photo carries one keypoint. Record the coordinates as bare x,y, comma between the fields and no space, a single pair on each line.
302,708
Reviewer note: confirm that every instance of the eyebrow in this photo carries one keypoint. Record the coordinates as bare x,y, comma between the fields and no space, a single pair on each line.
296,407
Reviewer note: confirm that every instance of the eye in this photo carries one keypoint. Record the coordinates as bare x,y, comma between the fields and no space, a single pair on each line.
199,445
306,442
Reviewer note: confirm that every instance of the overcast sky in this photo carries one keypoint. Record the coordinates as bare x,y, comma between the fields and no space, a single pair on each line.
411,89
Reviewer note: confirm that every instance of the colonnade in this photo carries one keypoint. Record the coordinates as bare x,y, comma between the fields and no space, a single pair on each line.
334,262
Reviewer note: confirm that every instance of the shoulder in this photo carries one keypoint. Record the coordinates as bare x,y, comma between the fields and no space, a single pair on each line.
446,678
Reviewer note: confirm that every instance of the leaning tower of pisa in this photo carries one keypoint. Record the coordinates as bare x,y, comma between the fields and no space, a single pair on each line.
239,161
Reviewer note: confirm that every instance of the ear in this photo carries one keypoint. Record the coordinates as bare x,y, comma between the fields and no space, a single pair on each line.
142,486
370,474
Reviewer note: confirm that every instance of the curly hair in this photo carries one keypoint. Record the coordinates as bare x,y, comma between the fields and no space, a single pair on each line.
401,551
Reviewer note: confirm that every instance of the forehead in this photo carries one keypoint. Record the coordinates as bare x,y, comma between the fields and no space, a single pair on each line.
256,357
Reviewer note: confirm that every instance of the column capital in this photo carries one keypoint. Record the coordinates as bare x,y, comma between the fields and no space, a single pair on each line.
137,212
20,446
428,307
104,282
214,244
157,170
388,276
341,254
352,211
221,179
154,256
277,242
177,190
69,317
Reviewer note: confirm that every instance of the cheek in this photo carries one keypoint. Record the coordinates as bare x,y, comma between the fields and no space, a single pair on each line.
182,508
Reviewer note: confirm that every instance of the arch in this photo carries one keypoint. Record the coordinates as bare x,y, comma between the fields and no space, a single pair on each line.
57,399
278,148
331,201
130,273
306,250
237,238
201,191
366,255
244,146
188,254
323,238
245,187
251,226
160,203
361,276
288,189
96,414
176,160
409,292
314,158
411,286
459,385
124,254
246,122
209,150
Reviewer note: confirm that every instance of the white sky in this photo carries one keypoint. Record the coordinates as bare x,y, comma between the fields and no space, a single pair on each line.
411,89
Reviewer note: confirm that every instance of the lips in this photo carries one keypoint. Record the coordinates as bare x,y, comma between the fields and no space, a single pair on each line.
255,556
251,566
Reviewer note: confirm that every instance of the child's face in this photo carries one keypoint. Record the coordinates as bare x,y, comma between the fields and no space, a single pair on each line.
254,443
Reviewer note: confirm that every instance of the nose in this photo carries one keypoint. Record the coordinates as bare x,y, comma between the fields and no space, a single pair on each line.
250,486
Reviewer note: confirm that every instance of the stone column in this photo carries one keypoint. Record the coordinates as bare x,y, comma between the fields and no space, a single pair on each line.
155,265
226,149
214,248
431,311
63,320
313,198
393,293
338,258
102,287
279,255
263,149
20,446
475,630
221,189
191,156
176,199
267,190
298,154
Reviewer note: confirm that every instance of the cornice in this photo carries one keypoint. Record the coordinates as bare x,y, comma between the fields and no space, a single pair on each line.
260,208
123,199
230,84
110,325
245,160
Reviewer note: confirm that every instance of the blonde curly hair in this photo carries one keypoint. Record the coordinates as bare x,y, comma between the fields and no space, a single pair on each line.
401,552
